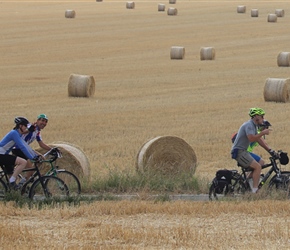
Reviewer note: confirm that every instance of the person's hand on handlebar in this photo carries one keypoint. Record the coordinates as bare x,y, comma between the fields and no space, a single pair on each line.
273,153
38,158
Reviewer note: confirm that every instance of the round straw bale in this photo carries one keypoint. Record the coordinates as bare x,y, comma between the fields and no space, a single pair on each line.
73,159
99,0
283,59
130,5
166,155
161,7
177,52
279,12
172,1
277,90
171,11
207,53
241,9
70,14
81,85
272,18
254,12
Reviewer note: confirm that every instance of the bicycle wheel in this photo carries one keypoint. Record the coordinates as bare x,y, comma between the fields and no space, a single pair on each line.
72,182
3,189
281,183
48,187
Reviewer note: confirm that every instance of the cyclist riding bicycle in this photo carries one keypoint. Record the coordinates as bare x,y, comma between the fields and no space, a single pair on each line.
32,135
254,144
11,139
248,133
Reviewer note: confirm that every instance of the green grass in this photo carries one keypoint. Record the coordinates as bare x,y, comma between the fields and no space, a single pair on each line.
132,182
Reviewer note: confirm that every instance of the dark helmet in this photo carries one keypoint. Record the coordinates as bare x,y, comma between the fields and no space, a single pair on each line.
19,120
265,124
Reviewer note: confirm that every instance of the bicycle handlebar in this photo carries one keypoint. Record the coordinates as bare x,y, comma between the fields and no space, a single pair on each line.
53,152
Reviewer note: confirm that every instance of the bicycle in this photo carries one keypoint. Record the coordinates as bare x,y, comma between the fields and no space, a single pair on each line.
37,187
70,179
232,183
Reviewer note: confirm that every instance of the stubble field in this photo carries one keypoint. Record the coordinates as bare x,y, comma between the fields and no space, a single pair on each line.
140,94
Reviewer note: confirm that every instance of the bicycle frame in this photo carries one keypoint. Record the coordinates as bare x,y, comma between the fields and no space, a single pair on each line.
274,168
50,161
36,173
239,183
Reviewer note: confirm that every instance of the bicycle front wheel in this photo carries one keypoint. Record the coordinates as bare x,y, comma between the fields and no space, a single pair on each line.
72,182
48,187
281,184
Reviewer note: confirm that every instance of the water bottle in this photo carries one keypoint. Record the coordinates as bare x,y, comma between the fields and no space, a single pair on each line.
261,178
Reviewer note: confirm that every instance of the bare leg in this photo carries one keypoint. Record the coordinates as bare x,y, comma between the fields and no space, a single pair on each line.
250,174
20,165
256,173
28,173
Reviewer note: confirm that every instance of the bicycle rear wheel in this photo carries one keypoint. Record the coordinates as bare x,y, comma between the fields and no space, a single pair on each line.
3,189
48,187
72,182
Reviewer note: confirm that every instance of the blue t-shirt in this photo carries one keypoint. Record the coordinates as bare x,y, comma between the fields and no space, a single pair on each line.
13,138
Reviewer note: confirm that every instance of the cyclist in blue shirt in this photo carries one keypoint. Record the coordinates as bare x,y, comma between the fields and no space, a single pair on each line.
11,139
33,135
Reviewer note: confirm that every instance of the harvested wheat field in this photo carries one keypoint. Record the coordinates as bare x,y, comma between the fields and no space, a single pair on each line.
139,93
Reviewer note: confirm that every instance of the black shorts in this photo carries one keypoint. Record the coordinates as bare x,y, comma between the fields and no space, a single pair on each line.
8,163
19,153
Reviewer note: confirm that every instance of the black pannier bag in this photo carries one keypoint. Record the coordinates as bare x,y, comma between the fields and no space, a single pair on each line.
222,180
284,159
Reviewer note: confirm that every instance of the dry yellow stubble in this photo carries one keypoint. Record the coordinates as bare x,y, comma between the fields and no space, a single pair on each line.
148,225
142,94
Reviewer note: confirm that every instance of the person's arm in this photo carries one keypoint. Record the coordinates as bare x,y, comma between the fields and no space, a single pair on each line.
23,146
263,144
259,136
43,145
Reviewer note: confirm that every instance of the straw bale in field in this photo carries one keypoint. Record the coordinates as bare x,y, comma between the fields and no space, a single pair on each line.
81,85
172,11
279,12
254,12
277,90
283,59
70,14
177,52
166,155
130,5
172,1
207,53
272,18
241,9
73,159
161,7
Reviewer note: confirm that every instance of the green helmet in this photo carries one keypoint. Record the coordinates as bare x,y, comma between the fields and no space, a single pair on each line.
42,116
256,111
